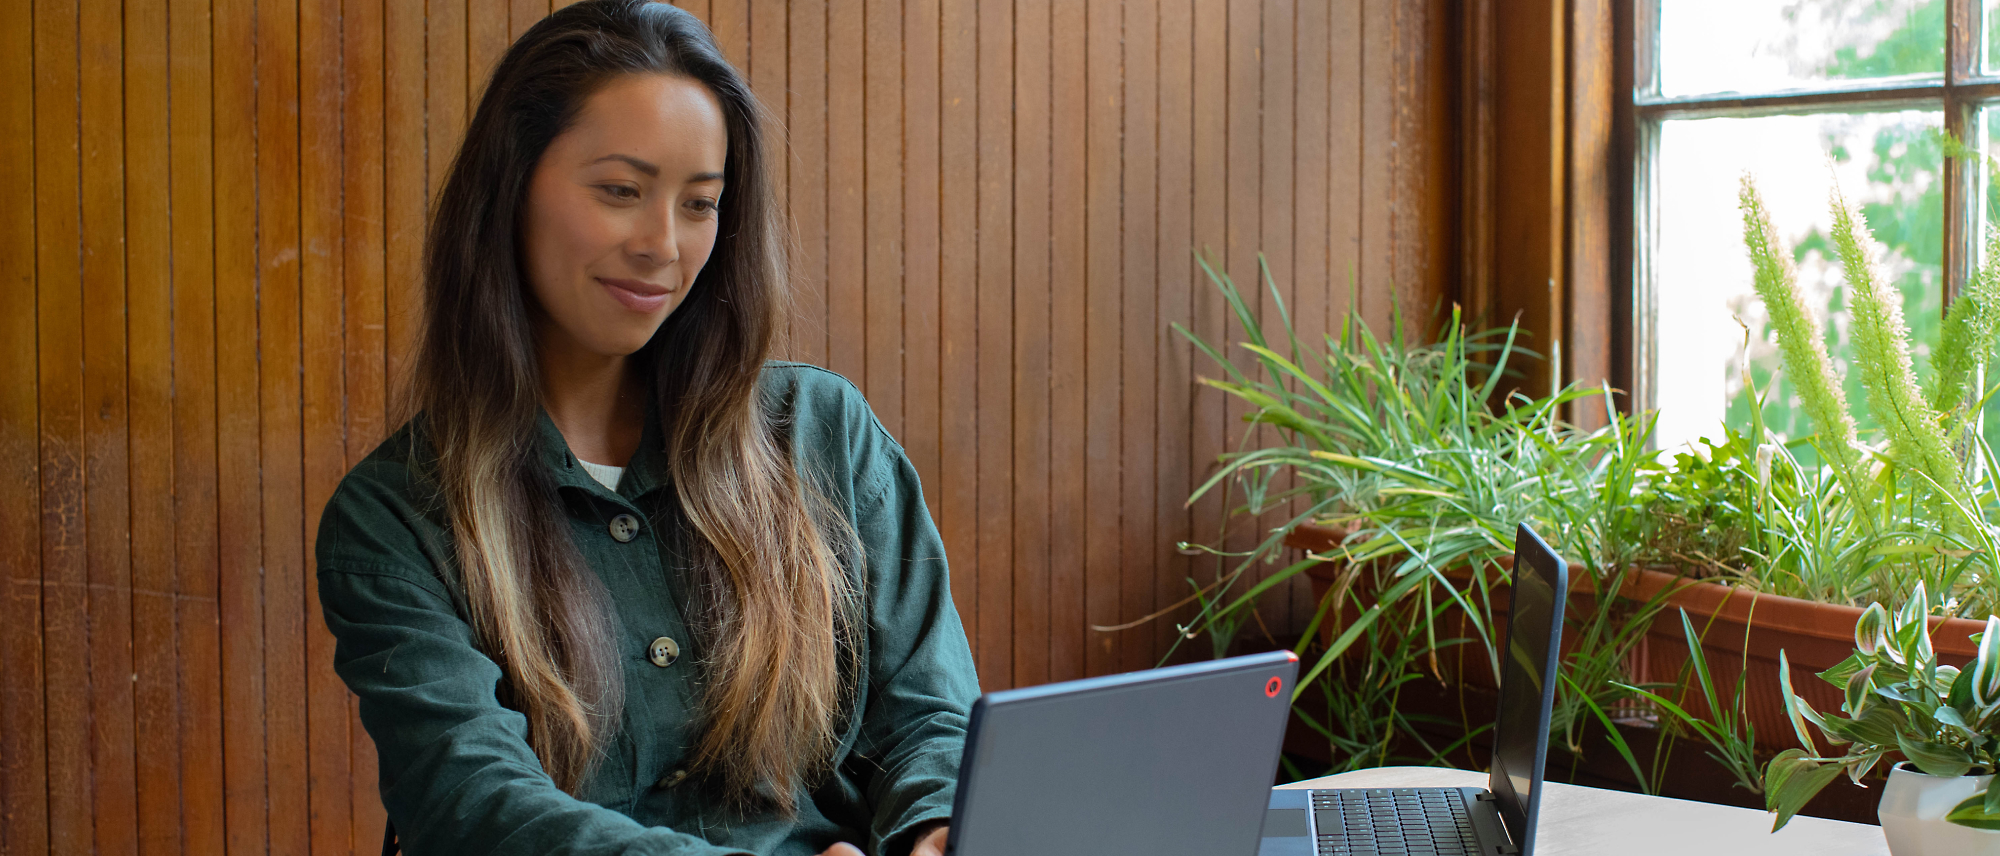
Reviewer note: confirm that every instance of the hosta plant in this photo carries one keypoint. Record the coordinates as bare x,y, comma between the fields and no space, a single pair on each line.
1898,700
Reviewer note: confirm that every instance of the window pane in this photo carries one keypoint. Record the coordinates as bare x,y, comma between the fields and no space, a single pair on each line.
1992,52
1889,163
1762,45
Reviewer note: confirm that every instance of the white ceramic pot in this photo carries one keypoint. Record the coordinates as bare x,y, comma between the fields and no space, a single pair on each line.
1912,812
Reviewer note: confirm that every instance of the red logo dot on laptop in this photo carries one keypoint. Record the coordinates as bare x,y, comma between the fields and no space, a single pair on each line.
1272,686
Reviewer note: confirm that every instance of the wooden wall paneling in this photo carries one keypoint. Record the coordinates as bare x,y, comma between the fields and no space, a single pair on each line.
994,650
59,329
1277,242
1428,174
919,287
1241,240
149,390
700,8
1143,336
446,88
522,14
957,489
878,310
1175,461
1344,163
24,767
340,169
106,499
1316,286
488,32
729,20
1068,335
1589,176
846,192
1031,365
280,452
807,179
197,546
767,55
1527,186
1376,49
236,386
1475,134
1100,336
1208,412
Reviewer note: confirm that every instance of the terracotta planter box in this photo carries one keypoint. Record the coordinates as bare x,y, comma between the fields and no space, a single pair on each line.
1739,629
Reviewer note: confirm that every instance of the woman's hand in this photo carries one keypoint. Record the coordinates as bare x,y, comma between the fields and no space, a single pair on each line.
932,842
929,844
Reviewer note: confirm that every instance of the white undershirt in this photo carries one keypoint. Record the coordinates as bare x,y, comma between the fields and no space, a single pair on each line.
605,474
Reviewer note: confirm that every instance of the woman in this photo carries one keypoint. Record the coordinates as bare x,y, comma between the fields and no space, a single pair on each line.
621,585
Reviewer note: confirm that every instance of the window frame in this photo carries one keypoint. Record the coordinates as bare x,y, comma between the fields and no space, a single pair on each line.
1959,93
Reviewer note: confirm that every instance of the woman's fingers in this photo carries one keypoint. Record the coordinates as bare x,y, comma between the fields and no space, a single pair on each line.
932,844
842,849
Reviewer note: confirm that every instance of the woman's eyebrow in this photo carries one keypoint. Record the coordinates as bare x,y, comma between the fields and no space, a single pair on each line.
636,163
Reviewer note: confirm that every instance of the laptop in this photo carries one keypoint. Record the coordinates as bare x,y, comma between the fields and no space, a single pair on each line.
1497,821
1169,762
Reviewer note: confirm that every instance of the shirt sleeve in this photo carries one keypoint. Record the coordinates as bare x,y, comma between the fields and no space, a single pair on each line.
922,682
457,774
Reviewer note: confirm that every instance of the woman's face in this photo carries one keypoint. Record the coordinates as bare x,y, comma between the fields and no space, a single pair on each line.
621,212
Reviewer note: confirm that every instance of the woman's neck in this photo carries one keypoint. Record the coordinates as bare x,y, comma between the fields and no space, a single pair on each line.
597,402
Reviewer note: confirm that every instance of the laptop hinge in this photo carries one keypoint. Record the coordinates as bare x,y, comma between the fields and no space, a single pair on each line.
1506,849
1488,796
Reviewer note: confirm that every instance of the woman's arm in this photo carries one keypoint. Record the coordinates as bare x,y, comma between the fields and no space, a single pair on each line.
921,677
457,775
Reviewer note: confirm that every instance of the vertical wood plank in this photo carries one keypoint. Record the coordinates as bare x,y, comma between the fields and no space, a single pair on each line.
1377,115
1143,337
768,56
59,336
994,649
919,287
24,767
1207,314
445,125
1068,287
880,324
806,181
238,498
522,14
106,506
1276,243
487,35
1177,199
1031,366
1345,205
959,211
149,390
197,549
340,59
278,442
1315,286
846,189
1100,334
1241,242
729,20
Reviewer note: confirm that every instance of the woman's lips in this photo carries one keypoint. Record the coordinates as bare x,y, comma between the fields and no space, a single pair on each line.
640,297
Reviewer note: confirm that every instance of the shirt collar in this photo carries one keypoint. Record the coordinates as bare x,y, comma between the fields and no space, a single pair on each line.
646,471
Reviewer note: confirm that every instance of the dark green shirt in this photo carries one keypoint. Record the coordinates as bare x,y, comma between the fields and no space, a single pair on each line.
457,775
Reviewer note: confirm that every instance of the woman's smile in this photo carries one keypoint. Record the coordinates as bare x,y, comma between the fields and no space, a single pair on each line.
644,298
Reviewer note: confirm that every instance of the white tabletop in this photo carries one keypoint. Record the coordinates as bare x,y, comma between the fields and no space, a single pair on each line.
1580,820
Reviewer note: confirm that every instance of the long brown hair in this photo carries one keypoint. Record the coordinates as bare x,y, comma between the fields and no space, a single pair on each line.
772,604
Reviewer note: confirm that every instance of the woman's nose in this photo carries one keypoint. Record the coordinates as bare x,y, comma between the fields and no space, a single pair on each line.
654,240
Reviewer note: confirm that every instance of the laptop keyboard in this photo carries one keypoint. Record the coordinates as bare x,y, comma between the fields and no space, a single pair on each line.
1393,822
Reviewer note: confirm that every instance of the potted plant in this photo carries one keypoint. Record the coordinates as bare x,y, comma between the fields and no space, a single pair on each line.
1899,700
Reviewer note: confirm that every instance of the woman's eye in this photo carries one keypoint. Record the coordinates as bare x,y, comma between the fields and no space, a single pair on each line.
703,207
619,191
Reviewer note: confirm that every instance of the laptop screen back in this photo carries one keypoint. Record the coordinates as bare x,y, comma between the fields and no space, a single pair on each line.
1527,684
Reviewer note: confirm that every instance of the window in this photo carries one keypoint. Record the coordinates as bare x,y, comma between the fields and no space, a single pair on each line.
1800,94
